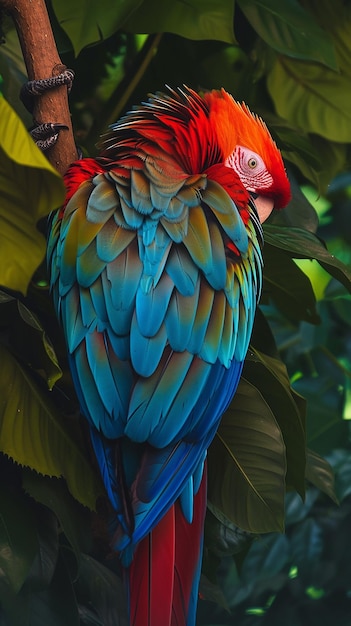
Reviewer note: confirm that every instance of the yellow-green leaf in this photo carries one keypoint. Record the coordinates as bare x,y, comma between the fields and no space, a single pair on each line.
33,434
29,189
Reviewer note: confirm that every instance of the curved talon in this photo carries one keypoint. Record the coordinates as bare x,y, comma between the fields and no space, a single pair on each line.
45,135
34,88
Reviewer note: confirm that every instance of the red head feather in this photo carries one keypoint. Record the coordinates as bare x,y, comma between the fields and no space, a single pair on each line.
235,125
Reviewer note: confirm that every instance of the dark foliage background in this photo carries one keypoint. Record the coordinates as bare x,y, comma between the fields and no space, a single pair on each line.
290,61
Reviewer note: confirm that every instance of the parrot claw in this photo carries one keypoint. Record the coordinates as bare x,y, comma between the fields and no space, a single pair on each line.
34,88
45,135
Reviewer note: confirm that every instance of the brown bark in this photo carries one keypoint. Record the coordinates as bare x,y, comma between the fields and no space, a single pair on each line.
42,61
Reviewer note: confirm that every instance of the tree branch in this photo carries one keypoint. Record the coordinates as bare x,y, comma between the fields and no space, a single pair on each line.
42,61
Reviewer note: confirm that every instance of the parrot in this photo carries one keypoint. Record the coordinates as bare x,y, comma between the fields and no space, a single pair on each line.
155,265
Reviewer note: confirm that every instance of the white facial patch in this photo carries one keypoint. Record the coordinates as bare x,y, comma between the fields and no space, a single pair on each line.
250,168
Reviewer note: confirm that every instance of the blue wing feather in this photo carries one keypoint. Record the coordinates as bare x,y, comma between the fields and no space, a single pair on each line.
157,316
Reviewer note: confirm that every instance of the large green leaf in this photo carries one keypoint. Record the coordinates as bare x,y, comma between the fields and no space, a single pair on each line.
29,189
288,286
302,244
290,30
247,464
32,433
88,22
270,376
195,19
312,97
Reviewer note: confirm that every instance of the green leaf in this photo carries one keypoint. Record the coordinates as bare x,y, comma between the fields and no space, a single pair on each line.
211,592
99,587
341,463
297,509
33,434
270,376
87,23
312,97
265,559
29,188
320,474
290,30
299,213
288,286
302,244
18,542
43,568
194,19
57,604
27,338
222,537
247,464
73,518
306,544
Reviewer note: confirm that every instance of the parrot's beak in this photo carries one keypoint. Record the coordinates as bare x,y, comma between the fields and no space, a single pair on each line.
264,206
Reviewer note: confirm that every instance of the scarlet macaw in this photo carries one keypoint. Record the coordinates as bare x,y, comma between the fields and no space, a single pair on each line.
156,269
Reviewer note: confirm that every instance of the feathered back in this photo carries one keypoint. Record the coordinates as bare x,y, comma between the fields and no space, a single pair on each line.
156,269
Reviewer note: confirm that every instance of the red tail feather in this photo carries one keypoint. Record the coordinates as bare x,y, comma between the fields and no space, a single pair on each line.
165,569
188,558
151,576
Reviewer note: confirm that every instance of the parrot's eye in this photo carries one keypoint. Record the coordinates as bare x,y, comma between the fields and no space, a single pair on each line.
250,168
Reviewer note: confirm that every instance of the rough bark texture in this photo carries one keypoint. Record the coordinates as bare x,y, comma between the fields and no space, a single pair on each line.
42,61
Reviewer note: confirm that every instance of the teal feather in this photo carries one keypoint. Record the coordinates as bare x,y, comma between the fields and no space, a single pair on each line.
227,214
120,344
102,201
202,317
187,500
146,410
182,271
112,240
180,317
87,309
146,352
71,316
89,266
140,192
151,306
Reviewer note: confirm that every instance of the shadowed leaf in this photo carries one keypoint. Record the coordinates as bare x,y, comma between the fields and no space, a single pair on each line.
320,474
247,464
28,339
290,30
18,543
302,244
270,376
